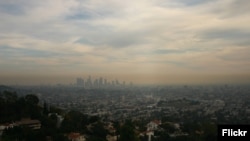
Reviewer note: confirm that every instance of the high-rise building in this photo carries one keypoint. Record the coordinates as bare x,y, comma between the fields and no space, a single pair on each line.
79,82
100,82
96,84
105,82
117,82
89,82
123,83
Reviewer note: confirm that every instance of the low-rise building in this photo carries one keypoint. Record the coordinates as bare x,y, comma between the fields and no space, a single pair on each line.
76,137
32,123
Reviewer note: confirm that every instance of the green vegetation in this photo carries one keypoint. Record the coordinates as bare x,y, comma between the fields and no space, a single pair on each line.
193,125
128,132
14,108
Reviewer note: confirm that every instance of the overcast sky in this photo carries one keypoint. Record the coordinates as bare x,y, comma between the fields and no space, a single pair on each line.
145,41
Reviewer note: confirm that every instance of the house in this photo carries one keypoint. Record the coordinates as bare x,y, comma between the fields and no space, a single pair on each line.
148,133
76,137
5,126
153,125
33,124
111,138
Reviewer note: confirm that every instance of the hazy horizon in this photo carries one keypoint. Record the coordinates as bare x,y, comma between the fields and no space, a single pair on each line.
193,79
145,42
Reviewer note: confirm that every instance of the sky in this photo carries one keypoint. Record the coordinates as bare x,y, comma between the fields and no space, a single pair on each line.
144,41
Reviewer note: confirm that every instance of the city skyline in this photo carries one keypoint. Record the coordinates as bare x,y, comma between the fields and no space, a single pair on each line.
146,42
100,82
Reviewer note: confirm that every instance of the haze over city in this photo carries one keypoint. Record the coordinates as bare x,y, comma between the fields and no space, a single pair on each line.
143,41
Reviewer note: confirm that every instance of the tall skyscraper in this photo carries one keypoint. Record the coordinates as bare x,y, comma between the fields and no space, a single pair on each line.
79,82
96,84
117,82
89,82
105,83
100,82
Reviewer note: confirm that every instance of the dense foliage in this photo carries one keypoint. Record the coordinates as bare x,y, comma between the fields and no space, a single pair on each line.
14,108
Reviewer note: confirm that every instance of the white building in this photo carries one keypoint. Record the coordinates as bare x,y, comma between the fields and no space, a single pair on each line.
153,125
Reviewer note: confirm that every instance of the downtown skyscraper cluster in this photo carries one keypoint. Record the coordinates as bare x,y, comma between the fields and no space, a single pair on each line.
100,83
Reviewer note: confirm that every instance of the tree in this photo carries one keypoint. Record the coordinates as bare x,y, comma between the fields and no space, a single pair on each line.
32,105
163,136
97,132
127,132
31,99
45,109
8,106
9,96
74,121
168,127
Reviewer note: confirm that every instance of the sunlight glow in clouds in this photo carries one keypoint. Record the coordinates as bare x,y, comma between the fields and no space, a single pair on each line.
160,41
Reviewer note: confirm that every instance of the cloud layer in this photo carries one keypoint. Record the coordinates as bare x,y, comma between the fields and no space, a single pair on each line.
128,38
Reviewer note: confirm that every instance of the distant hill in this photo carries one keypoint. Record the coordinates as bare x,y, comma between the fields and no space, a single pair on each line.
6,88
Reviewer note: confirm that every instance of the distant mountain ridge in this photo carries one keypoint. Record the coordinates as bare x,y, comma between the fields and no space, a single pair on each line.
6,88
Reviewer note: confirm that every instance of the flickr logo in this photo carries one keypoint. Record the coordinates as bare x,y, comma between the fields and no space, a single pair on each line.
231,132
235,132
